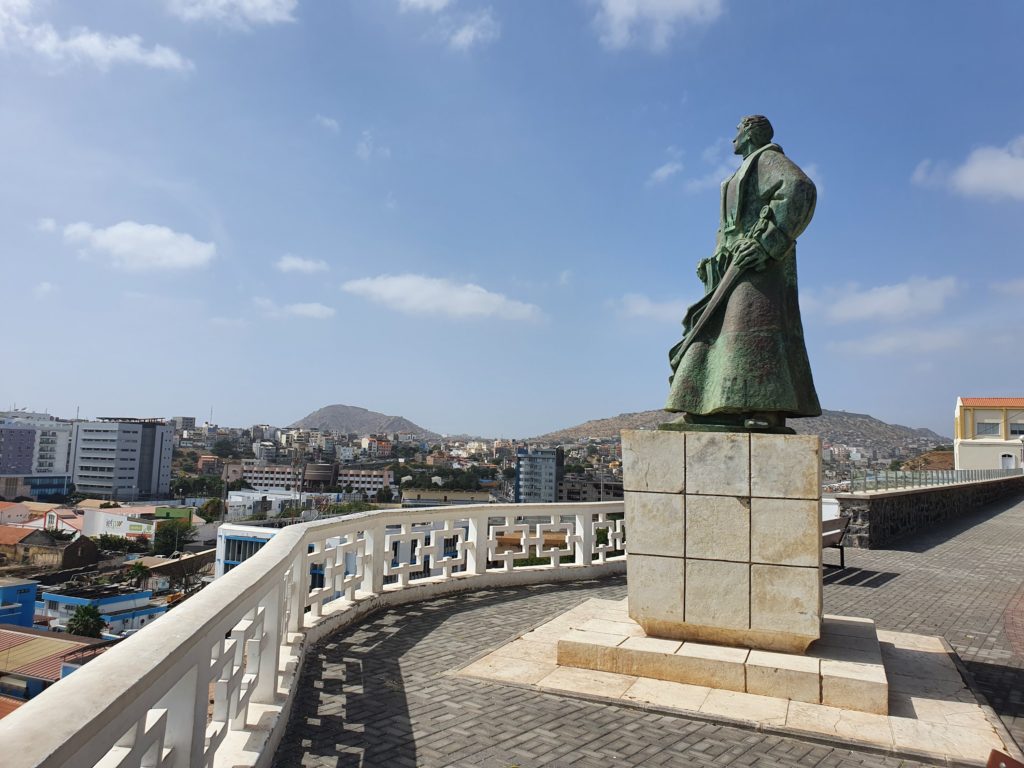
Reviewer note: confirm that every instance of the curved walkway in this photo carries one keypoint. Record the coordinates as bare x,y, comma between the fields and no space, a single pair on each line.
379,694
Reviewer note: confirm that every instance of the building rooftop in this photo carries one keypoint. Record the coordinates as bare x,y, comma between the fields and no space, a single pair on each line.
993,402
37,653
10,581
94,592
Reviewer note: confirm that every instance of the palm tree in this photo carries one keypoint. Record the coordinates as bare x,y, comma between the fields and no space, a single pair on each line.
86,621
137,573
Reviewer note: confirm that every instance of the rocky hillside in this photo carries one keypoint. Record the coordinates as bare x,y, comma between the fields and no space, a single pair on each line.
349,418
855,429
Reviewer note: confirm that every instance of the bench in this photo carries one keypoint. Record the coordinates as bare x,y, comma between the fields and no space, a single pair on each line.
832,532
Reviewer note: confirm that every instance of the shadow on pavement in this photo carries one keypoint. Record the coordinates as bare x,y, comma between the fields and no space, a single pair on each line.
922,541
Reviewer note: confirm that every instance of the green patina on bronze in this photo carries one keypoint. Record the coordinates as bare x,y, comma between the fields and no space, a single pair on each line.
742,363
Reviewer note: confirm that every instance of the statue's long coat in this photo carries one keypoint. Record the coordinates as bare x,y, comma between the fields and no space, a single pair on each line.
750,357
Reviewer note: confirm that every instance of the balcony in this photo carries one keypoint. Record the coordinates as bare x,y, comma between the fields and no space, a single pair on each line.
379,690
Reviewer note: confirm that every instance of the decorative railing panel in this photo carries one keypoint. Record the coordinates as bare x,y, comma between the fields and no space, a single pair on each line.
146,702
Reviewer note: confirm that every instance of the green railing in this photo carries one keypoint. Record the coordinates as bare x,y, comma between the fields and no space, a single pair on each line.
893,480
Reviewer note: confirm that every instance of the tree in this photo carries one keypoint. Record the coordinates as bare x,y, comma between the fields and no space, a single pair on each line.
86,621
225,449
895,465
385,495
509,473
172,536
137,573
111,543
60,535
109,505
211,509
239,485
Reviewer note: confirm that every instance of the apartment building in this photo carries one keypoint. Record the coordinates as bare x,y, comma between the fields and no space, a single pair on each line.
122,459
35,451
537,474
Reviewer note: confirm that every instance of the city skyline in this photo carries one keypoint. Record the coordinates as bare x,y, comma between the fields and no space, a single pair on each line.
486,217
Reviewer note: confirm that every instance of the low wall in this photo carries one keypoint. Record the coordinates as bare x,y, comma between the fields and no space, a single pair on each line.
878,518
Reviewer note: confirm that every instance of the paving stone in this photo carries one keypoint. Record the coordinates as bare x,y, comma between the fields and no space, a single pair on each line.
386,699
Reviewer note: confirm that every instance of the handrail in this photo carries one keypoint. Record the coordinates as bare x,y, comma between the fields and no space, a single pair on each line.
145,701
891,480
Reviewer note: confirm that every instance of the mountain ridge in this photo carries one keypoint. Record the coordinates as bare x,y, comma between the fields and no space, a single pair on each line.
846,427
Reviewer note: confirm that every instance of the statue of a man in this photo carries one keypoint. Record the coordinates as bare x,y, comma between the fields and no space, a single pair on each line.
742,362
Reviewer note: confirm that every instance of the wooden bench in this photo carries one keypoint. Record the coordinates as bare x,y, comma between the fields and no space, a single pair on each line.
832,532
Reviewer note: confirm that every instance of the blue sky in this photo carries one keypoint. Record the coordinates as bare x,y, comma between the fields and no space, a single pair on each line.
485,216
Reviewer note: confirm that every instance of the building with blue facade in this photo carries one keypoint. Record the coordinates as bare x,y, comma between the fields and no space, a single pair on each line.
17,601
123,609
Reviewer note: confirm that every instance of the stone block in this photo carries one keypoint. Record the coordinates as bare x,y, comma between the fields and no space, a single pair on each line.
656,588
785,532
785,466
653,461
718,463
717,528
662,693
850,685
784,675
655,523
762,710
714,666
786,599
718,594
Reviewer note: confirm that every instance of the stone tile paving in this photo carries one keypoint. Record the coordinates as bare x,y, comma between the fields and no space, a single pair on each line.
378,693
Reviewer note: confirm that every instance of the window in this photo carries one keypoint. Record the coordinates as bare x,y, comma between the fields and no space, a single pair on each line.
1017,429
986,429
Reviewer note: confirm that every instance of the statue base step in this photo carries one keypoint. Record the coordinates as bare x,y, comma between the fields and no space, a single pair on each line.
842,669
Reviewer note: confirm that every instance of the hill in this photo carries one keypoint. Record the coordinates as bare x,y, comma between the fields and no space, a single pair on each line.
349,418
855,429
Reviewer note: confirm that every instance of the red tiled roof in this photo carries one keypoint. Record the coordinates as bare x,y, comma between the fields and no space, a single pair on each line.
10,534
993,402
8,705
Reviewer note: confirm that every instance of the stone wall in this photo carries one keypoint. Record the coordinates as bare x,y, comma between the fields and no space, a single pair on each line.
880,518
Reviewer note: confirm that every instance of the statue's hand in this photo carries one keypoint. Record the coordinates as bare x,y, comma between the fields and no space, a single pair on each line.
750,254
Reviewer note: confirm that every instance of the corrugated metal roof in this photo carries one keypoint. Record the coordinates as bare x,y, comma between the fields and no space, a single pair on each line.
993,402
8,705
34,654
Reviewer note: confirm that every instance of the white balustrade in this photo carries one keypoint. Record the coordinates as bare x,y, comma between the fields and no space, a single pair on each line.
209,683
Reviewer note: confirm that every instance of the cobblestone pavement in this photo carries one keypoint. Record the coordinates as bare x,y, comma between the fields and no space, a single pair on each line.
378,694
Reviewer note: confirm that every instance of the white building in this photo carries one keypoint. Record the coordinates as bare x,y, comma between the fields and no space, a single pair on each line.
269,477
122,459
367,481
989,433
537,475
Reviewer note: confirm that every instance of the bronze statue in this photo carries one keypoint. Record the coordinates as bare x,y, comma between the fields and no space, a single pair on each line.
742,363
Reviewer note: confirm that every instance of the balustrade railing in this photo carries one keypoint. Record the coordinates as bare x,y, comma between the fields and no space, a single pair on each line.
208,683
891,480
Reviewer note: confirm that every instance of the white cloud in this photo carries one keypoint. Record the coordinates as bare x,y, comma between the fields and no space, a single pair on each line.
564,276
422,295
663,173
237,13
905,343
290,263
993,172
474,30
638,305
928,174
19,32
43,289
915,297
313,309
367,148
652,23
46,225
431,6
138,247
720,155
1010,287
327,123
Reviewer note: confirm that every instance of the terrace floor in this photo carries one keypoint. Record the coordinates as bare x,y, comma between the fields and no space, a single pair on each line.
381,693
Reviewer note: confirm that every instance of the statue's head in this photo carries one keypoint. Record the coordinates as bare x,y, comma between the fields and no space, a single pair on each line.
753,132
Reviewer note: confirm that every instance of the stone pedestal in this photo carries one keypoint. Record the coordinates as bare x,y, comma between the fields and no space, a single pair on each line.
723,535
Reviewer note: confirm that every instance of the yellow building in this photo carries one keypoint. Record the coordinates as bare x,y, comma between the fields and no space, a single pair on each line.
989,433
